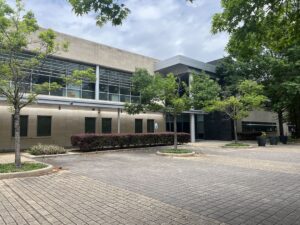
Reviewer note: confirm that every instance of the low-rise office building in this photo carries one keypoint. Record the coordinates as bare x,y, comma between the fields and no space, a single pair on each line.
99,107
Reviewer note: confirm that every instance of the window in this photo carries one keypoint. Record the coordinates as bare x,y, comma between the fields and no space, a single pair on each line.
44,126
90,125
23,126
138,126
106,125
258,127
150,126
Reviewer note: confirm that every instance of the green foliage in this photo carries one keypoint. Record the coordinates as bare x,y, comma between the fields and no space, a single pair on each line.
248,98
203,90
236,145
19,33
176,151
41,149
256,25
264,43
27,166
159,93
107,10
113,11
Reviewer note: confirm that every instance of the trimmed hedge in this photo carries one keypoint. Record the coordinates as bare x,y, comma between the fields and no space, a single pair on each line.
89,142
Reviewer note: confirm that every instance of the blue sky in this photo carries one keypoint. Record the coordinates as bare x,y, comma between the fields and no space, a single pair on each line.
156,28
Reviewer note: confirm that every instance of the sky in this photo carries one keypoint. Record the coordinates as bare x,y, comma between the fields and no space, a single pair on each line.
155,28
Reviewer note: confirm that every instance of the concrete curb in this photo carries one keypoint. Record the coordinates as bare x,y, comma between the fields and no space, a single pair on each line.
176,155
32,173
27,155
238,147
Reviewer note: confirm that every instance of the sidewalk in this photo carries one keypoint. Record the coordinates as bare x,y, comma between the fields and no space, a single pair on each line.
10,158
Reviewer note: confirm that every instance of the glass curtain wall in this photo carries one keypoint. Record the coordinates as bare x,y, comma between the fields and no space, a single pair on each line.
53,70
116,86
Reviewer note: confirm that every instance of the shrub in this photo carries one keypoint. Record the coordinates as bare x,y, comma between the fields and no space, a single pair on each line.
88,142
41,149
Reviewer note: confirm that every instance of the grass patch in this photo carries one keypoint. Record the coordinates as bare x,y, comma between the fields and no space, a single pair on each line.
176,151
11,168
238,144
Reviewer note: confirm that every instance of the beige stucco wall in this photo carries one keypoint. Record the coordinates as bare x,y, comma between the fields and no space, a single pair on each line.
103,55
259,116
66,122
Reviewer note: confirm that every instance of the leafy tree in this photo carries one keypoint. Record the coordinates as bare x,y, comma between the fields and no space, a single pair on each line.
264,46
249,97
160,93
18,31
203,90
168,94
113,11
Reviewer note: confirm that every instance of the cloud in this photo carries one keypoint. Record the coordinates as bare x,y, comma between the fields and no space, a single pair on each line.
156,28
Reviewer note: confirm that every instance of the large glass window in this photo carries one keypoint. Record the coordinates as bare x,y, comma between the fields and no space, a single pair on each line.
150,126
23,126
106,125
90,125
116,86
138,126
258,127
44,126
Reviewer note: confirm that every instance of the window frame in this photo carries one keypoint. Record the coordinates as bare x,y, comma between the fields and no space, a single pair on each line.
138,130
152,128
108,131
13,125
94,124
38,134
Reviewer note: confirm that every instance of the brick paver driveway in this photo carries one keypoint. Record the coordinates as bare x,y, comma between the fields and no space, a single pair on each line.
220,186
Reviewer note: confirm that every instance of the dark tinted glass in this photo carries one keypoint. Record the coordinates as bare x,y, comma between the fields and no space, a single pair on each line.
44,126
23,126
106,125
138,126
150,126
90,125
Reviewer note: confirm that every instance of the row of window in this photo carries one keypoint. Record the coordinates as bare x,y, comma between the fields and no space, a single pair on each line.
90,125
114,85
44,124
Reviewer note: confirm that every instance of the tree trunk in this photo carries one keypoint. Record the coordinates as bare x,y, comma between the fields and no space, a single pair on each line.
280,123
175,132
235,131
17,138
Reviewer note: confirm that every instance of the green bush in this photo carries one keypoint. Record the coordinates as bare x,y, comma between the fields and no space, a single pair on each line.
89,142
41,149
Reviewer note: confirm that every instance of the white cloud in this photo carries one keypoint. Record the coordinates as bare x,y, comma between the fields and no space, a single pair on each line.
157,28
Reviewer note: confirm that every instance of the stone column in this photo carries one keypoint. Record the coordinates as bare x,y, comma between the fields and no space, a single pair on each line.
192,127
192,115
97,83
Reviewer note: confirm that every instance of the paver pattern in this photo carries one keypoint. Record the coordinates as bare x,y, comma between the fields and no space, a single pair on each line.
220,186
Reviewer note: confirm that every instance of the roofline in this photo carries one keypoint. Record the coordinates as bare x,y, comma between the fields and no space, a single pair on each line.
180,59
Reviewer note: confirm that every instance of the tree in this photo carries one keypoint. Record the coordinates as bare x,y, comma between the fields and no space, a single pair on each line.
264,38
160,93
168,94
113,11
18,31
249,97
203,90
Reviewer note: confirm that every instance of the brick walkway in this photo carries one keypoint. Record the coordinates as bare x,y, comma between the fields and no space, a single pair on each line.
220,186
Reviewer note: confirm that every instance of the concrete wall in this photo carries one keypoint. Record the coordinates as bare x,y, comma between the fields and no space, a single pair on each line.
103,55
260,116
66,122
